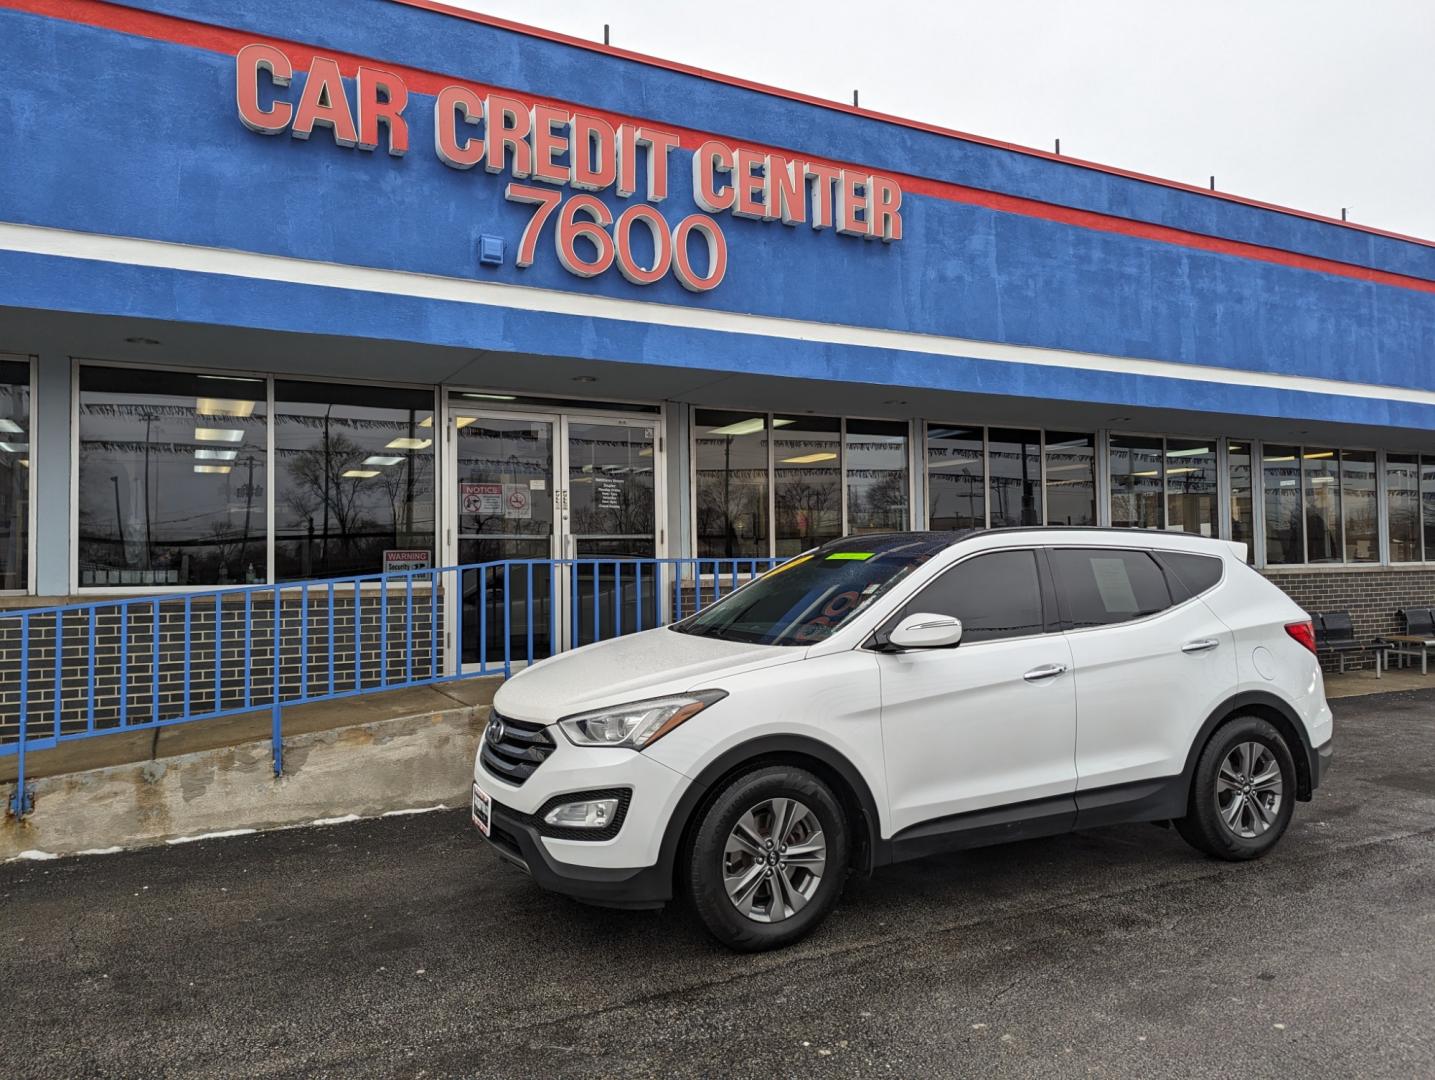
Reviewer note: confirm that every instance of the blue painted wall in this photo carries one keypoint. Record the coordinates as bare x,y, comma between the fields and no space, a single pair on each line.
182,168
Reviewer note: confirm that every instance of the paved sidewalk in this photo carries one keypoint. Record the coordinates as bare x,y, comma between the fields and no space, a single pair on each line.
400,947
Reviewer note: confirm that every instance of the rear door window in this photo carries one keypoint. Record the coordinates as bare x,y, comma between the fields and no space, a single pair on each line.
997,595
1103,586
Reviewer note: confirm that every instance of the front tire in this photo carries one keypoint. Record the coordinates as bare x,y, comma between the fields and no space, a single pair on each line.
768,859
1242,793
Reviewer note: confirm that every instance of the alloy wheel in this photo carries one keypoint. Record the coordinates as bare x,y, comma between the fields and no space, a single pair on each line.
1249,789
774,859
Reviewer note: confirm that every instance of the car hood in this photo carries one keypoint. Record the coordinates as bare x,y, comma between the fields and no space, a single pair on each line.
644,665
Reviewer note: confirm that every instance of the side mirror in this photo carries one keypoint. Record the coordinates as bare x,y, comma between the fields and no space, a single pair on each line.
926,631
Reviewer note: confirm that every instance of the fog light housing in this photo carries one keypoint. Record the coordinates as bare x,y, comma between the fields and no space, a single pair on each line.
583,814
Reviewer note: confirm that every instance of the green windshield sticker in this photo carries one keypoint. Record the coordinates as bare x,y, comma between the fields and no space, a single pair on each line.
856,556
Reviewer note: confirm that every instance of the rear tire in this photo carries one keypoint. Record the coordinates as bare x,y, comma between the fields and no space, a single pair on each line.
768,859
1242,793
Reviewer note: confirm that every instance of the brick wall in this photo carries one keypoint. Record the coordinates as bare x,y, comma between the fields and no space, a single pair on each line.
1373,596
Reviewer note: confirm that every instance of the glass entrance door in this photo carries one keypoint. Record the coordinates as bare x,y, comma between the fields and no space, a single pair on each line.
612,517
529,489
505,509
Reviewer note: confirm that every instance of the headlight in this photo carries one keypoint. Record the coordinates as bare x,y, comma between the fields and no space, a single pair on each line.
639,723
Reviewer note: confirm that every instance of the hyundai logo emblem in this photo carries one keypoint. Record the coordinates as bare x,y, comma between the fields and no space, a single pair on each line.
495,730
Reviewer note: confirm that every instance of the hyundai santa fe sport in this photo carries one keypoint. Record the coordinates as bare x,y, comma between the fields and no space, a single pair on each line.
887,697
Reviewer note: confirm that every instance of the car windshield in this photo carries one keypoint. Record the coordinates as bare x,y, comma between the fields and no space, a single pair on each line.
808,598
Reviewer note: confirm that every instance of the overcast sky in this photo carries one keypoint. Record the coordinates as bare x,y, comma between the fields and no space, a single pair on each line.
1314,104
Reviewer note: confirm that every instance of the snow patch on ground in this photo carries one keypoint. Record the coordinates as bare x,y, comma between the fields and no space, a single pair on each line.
415,810
33,856
332,820
211,836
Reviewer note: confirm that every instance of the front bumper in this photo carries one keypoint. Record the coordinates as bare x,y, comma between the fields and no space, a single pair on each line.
517,840
623,868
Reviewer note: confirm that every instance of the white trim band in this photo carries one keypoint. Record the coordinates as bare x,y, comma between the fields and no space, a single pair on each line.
61,243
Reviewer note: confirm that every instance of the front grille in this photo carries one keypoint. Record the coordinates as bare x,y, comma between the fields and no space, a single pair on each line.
520,748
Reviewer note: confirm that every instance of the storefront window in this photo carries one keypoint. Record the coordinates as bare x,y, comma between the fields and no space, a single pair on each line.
1280,471
1136,482
956,478
353,477
1238,466
730,458
1427,503
1015,466
14,474
1359,505
171,478
1191,486
1402,502
807,471
1321,469
1070,478
876,476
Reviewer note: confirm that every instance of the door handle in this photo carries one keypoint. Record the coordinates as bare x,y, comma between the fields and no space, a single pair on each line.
1203,645
1048,671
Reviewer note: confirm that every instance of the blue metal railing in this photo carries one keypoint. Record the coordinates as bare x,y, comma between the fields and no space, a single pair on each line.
90,670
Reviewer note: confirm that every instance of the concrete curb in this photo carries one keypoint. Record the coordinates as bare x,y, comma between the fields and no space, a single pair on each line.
405,763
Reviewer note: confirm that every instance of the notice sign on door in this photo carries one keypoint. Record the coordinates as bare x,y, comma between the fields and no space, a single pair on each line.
483,499
609,494
396,559
517,503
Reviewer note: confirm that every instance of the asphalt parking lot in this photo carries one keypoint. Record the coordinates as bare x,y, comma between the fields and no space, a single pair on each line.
401,947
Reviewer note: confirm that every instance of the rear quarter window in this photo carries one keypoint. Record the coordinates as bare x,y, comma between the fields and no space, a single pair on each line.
1190,575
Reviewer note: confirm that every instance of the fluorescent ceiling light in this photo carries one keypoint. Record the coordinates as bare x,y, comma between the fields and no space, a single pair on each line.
1288,457
216,455
221,470
408,444
1152,472
383,459
749,426
426,422
1322,479
25,462
646,451
218,434
214,406
808,459
15,447
462,422
491,397
1319,454
9,427
954,463
1187,469
1189,453
360,474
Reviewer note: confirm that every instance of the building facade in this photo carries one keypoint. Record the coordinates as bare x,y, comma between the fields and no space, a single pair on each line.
290,292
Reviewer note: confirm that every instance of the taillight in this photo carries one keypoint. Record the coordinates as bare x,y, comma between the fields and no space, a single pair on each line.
1304,632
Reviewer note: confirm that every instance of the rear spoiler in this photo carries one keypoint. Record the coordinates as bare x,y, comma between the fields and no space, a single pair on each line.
1238,549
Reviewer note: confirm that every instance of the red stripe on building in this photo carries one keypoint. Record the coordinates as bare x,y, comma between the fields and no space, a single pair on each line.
168,28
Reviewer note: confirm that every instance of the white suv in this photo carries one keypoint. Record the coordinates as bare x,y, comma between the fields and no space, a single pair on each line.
886,697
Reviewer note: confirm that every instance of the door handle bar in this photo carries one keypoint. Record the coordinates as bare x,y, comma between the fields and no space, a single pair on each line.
1049,671
1204,645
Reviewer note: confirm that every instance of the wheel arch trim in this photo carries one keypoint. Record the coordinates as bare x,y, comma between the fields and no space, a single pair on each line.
1277,711
776,748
